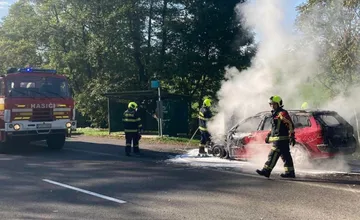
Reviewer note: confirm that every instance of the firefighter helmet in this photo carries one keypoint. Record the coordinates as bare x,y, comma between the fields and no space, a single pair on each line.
132,105
276,99
304,106
207,102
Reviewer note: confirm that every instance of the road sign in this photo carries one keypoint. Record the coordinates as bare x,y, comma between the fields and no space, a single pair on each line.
155,84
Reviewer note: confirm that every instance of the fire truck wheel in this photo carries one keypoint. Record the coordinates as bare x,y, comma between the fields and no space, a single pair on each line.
56,142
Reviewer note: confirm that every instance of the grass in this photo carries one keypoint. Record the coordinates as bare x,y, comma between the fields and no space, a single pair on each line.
152,138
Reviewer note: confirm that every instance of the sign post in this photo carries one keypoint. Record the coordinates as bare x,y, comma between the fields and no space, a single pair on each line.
156,84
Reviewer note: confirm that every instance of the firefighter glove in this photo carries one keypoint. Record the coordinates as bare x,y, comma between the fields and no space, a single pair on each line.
267,138
292,139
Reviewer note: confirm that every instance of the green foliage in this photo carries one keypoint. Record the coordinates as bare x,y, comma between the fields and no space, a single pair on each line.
153,139
118,45
337,22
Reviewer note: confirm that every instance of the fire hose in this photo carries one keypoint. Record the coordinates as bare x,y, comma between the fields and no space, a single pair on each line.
192,137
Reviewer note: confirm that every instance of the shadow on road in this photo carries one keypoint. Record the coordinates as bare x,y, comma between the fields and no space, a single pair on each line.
39,149
102,168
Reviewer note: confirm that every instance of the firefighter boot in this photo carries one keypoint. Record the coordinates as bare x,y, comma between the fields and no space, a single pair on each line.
202,152
288,175
263,172
136,151
127,151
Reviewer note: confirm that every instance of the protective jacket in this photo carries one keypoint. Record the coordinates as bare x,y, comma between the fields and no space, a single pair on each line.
132,121
204,116
282,126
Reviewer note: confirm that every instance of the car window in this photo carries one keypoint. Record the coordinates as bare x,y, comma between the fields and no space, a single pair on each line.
301,121
267,124
298,120
249,125
329,120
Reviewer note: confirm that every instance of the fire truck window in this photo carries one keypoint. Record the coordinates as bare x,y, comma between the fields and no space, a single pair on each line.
34,86
27,85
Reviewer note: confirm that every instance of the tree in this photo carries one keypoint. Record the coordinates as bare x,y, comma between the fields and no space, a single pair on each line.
118,45
334,26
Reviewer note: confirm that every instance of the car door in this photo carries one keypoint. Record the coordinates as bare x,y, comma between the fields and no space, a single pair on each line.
264,129
303,131
244,134
248,130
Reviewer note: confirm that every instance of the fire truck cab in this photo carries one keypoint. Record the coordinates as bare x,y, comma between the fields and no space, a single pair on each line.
35,104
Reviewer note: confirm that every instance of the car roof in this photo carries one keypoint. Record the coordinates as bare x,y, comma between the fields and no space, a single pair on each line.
301,112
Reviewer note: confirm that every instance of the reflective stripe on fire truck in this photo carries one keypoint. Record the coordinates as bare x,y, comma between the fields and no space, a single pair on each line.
30,109
62,109
60,117
21,118
21,110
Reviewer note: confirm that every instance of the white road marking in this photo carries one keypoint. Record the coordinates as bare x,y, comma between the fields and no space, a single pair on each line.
85,191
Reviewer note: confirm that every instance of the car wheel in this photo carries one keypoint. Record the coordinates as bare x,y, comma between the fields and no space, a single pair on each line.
225,154
300,155
218,151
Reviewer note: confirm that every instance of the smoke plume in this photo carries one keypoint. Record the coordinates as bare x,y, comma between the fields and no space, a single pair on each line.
276,69
284,63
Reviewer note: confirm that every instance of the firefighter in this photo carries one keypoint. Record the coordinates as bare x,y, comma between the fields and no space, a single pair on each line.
132,128
204,116
281,135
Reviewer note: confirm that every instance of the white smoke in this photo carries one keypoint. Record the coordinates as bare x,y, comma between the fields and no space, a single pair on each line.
276,68
284,63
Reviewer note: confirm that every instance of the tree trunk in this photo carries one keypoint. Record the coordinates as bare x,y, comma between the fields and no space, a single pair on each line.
135,31
149,38
164,37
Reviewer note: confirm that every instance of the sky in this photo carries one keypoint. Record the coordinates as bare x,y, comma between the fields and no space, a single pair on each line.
4,7
291,9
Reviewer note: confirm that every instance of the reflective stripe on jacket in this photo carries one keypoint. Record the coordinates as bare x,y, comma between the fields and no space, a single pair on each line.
132,121
204,116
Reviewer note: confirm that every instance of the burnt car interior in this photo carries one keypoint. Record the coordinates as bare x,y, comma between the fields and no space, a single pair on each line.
250,124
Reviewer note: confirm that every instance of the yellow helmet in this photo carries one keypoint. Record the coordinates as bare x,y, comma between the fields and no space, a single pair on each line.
207,102
276,99
132,105
304,105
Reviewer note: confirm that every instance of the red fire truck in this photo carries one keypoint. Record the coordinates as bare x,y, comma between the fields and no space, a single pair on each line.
35,104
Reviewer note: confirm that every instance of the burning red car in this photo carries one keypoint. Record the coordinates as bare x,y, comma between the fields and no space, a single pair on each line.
319,134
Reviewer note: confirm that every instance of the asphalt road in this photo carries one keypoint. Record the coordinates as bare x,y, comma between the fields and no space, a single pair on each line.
91,179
